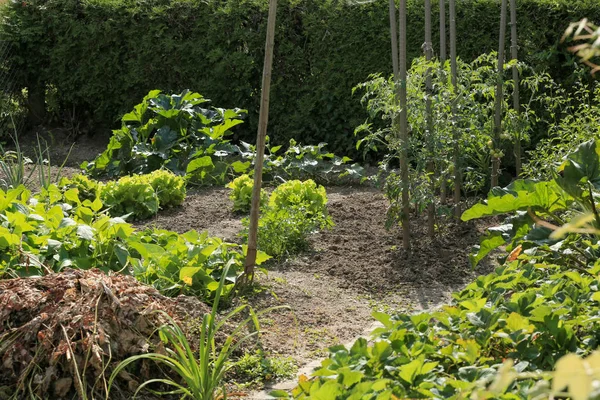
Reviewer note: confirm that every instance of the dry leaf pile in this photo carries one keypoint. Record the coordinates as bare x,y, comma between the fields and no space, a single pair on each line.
59,328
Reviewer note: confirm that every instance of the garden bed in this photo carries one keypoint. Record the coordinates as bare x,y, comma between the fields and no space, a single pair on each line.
353,269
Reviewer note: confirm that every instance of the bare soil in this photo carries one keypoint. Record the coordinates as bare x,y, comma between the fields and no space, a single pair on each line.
353,269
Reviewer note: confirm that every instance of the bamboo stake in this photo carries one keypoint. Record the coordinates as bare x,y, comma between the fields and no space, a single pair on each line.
443,185
428,115
499,94
455,133
442,31
263,121
404,129
514,49
394,35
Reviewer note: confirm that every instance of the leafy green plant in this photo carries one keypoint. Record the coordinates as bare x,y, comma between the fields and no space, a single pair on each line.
295,210
55,229
130,195
257,368
88,189
200,372
305,162
169,188
175,132
140,196
241,193
191,263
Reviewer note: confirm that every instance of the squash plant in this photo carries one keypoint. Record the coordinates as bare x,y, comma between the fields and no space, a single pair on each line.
178,132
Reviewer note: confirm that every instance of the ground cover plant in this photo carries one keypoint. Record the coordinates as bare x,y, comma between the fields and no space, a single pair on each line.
55,230
538,306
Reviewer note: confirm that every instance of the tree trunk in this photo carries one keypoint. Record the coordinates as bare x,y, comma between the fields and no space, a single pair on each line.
430,137
404,128
263,121
499,97
514,49
456,132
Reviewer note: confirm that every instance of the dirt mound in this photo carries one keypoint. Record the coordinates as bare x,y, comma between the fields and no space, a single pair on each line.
58,328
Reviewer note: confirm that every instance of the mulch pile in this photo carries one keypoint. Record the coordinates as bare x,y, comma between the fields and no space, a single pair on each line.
58,327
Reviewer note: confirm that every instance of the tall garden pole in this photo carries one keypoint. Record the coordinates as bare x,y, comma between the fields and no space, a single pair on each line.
399,66
499,95
442,31
429,116
514,49
455,131
404,128
443,186
394,35
263,121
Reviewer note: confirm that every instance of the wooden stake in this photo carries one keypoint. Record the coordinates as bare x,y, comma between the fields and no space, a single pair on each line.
263,121
443,186
442,32
456,133
394,35
429,116
514,50
499,95
404,129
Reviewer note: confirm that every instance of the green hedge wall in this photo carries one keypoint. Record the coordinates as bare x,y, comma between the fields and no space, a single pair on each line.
102,56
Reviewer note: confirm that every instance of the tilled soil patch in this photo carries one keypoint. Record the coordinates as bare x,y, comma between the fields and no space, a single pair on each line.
353,269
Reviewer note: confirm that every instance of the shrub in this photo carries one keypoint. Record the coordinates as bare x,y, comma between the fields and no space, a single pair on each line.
241,193
324,49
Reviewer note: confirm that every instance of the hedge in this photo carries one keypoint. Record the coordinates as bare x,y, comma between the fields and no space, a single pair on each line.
100,57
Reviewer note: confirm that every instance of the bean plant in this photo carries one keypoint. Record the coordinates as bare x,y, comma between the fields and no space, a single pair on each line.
474,101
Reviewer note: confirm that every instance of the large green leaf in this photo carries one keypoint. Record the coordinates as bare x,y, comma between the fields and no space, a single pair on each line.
200,164
520,196
581,166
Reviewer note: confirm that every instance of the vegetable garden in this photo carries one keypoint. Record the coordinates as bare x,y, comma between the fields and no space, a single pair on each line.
182,259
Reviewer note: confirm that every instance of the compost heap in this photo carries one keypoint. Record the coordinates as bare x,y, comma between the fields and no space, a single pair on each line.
57,328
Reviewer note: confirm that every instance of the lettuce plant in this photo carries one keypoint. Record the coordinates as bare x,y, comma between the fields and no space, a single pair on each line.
169,188
88,188
130,195
241,193
295,210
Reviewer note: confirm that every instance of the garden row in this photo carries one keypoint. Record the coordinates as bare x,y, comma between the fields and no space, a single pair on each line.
91,63
537,312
